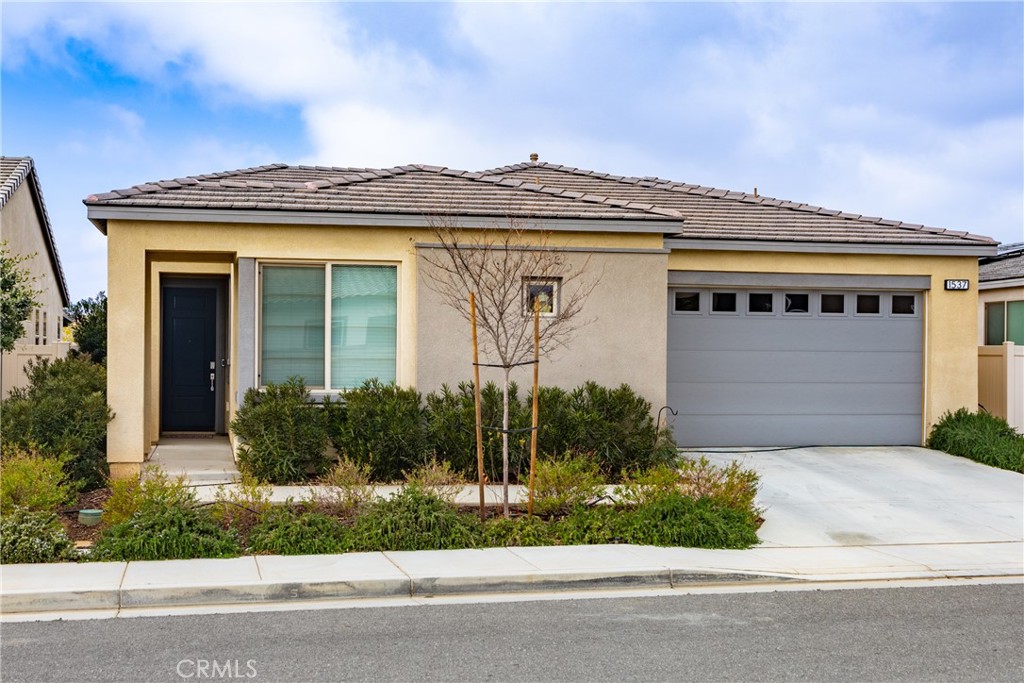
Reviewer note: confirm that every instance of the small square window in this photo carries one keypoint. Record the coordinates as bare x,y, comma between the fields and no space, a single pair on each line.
868,304
834,304
798,303
903,304
723,302
759,302
687,302
543,291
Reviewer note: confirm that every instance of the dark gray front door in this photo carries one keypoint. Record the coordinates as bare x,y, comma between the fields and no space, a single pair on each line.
769,367
188,396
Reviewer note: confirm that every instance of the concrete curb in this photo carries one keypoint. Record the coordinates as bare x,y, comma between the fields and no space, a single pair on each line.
267,579
66,593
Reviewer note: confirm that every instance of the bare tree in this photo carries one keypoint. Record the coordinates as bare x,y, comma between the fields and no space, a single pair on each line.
509,270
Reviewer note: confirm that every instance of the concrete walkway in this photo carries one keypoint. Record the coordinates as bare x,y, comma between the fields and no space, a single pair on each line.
199,460
833,515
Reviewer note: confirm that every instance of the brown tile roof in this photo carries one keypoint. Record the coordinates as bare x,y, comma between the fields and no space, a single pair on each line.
1007,265
417,190
14,171
714,214
535,190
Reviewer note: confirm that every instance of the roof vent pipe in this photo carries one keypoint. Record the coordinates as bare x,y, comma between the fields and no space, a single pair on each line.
755,193
534,157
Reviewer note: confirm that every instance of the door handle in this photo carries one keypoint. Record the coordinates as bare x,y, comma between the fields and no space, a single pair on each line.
213,376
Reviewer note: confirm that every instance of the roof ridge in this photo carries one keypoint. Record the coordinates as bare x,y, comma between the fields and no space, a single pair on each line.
12,182
24,170
736,195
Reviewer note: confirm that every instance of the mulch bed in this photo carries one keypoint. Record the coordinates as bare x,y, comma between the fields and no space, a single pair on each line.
87,500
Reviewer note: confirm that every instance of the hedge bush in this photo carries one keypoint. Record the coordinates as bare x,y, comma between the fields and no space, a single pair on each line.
28,536
63,410
561,485
284,435
381,425
980,436
127,496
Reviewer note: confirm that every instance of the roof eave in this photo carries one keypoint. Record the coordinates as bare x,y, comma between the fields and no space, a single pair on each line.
99,214
820,247
48,238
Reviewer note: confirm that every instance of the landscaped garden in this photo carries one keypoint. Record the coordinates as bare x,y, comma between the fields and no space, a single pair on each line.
606,474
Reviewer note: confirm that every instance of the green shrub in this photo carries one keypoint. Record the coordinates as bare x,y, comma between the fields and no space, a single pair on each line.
437,477
381,425
283,531
733,486
344,490
451,429
677,520
165,530
981,436
240,506
669,520
615,425
561,485
590,525
518,532
33,482
414,520
28,536
127,496
284,435
63,410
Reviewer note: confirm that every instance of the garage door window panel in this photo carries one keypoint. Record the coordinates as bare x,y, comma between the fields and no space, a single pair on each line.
833,304
797,303
686,302
723,302
903,305
869,304
760,303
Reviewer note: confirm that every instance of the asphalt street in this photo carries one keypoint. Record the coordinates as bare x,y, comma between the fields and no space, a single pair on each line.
959,633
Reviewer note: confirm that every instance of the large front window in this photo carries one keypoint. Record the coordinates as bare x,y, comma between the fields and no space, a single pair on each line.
333,325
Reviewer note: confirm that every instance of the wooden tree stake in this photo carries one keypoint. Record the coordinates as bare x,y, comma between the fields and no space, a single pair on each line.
536,388
476,401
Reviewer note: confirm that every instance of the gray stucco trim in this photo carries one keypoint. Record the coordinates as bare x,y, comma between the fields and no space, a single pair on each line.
1001,284
908,248
697,278
100,214
245,363
595,250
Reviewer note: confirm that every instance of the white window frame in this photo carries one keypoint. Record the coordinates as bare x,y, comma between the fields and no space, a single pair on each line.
556,294
326,265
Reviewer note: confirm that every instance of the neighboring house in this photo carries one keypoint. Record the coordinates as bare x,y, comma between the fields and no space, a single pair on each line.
1001,334
25,227
759,321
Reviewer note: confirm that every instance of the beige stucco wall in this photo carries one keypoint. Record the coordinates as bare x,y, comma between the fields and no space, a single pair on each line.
140,252
950,334
626,341
21,228
623,342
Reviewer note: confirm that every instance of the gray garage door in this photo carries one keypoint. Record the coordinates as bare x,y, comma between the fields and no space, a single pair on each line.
794,367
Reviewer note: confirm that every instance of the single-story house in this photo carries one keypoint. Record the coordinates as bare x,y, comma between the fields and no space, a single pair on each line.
1001,334
757,321
1001,296
25,228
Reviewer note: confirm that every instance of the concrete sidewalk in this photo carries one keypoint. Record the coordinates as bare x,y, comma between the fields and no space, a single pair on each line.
111,588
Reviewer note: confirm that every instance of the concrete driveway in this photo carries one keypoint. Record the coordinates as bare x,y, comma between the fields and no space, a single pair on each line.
881,496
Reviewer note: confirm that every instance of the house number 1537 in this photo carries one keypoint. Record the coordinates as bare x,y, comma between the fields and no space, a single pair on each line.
959,285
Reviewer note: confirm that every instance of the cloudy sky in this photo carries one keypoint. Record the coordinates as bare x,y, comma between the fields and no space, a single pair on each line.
904,110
